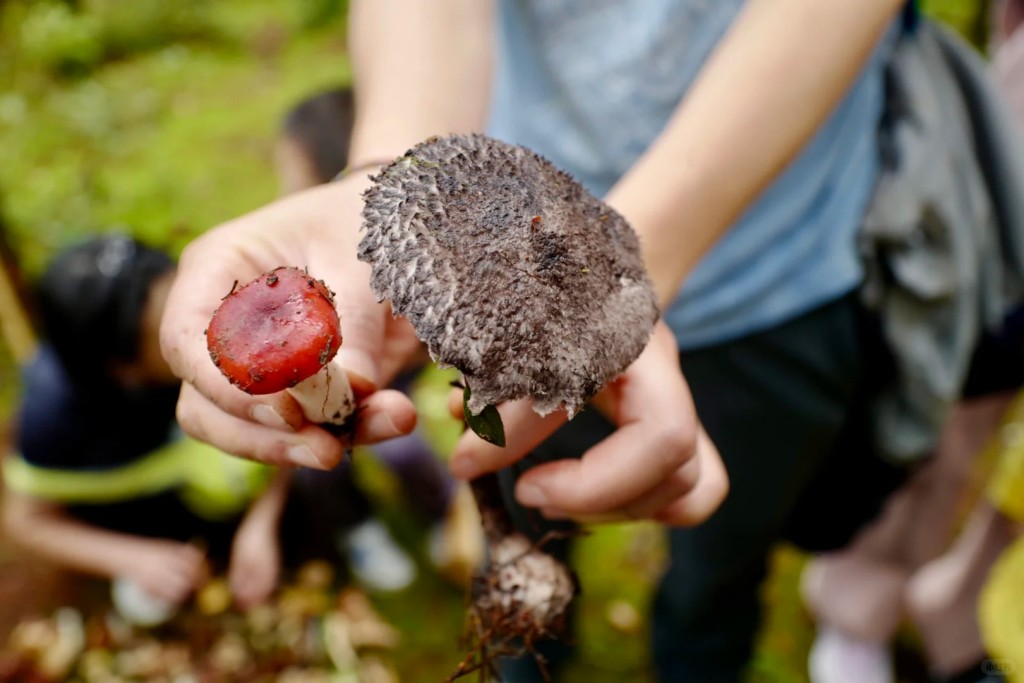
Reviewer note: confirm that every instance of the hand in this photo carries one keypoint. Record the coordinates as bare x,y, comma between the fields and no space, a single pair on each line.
317,229
255,565
167,570
659,464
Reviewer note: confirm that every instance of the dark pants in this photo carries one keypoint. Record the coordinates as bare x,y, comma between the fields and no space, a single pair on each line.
787,409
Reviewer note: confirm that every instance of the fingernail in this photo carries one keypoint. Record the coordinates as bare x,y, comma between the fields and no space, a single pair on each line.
380,426
301,455
268,417
531,496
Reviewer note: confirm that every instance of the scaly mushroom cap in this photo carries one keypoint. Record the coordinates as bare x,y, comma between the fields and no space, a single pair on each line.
509,270
275,331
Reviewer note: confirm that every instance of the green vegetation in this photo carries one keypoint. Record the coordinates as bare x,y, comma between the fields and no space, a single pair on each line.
149,116
969,17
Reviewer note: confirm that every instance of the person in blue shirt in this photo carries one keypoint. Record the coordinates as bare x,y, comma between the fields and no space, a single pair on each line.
738,139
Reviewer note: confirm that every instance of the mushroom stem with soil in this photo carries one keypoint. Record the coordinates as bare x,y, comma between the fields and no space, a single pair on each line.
281,332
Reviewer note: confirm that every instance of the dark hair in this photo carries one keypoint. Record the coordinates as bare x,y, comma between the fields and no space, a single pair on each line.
322,125
91,300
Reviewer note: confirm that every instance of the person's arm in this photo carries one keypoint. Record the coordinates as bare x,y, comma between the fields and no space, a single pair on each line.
168,570
772,81
255,564
419,69
776,76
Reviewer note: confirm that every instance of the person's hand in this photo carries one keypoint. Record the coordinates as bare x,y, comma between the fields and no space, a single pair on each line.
316,229
167,570
255,565
659,464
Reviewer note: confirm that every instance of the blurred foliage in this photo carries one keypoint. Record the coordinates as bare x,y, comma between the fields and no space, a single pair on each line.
153,117
66,41
158,117
970,17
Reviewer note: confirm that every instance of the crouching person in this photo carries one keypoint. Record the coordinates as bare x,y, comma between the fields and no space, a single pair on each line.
102,480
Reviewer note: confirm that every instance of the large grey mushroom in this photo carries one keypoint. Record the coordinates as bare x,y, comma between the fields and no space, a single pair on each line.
509,270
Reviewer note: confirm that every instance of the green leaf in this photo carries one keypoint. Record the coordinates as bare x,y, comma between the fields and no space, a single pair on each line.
487,425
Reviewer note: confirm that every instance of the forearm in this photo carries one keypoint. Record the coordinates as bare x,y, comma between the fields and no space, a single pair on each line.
773,80
420,69
267,509
48,532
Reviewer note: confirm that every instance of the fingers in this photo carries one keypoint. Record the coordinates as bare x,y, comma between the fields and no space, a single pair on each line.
524,430
253,586
706,496
657,464
380,416
656,434
173,588
317,229
308,446
595,484
207,271
180,569
628,465
686,498
384,415
678,484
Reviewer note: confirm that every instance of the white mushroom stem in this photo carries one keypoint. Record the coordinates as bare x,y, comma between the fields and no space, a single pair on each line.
326,397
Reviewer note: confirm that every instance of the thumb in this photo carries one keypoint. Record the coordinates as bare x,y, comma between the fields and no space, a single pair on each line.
524,431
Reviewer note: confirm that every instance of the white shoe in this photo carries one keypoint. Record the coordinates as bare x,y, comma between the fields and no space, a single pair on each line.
837,657
138,607
377,561
437,545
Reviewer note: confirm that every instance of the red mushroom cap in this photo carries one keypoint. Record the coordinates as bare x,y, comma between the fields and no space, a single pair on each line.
275,331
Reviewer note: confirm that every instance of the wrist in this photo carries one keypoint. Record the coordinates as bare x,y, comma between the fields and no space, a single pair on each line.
123,557
369,167
671,246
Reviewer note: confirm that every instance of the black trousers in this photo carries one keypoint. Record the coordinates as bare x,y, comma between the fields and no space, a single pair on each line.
788,410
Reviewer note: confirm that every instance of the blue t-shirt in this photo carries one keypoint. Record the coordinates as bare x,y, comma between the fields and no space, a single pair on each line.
591,83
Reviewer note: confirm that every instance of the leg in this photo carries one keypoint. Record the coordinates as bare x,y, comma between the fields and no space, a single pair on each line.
943,596
778,406
857,594
859,589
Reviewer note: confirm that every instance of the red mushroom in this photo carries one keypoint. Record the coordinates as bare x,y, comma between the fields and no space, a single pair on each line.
281,331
